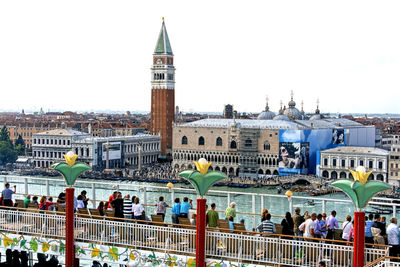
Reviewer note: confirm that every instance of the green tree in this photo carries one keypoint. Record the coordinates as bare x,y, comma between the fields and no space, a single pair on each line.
4,134
20,146
7,153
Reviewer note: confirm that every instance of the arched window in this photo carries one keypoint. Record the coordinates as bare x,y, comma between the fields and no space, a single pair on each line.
184,140
201,141
219,141
233,144
248,143
267,146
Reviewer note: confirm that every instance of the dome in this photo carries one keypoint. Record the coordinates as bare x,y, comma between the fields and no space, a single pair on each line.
266,115
281,117
316,117
293,113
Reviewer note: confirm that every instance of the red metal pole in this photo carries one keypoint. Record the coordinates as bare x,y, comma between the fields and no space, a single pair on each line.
201,233
359,239
69,227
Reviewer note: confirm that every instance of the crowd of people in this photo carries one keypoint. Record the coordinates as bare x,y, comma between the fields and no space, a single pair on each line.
319,226
155,171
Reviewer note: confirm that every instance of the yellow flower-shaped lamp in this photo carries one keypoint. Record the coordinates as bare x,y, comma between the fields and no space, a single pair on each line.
170,185
202,179
71,169
360,190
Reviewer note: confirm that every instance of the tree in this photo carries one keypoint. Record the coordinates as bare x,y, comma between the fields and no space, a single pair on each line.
7,153
4,134
20,146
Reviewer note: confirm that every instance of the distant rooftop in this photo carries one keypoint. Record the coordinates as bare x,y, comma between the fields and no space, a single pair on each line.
273,124
358,150
66,132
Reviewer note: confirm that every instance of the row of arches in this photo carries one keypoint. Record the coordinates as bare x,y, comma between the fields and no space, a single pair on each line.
213,158
227,170
348,175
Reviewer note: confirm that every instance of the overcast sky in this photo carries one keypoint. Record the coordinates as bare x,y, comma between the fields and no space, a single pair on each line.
96,55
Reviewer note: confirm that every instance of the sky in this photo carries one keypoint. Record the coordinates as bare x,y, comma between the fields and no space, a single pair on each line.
96,55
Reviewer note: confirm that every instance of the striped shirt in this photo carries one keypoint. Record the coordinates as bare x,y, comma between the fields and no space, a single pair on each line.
267,227
127,206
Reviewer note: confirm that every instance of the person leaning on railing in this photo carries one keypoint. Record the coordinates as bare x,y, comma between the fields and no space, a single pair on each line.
7,193
332,224
267,226
212,216
393,238
176,209
230,211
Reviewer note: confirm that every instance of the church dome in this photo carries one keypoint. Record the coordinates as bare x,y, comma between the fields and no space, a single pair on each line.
292,112
316,117
281,117
266,115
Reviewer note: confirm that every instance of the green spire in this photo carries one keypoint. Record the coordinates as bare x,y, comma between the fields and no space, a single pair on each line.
163,46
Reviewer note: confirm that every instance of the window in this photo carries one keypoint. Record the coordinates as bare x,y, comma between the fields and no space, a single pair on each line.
69,142
184,140
233,144
352,163
361,163
334,162
343,162
201,141
248,143
267,145
370,163
380,164
325,162
219,141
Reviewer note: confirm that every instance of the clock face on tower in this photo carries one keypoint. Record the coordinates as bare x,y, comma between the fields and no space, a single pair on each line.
159,61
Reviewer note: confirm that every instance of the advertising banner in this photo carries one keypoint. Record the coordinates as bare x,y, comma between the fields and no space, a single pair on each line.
294,157
302,147
114,150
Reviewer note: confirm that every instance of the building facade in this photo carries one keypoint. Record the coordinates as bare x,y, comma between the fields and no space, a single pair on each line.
336,162
98,152
248,148
50,146
163,91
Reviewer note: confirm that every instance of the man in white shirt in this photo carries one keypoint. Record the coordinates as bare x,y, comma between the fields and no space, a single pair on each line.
346,227
393,237
310,226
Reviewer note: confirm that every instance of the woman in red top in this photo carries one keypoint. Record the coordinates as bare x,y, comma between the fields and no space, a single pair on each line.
44,204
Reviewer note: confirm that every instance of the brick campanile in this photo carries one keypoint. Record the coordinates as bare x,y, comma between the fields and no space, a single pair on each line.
163,91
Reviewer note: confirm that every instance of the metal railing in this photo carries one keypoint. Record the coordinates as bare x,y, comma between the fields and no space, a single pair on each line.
236,246
257,200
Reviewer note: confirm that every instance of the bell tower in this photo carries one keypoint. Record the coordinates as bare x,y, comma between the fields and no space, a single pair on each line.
163,91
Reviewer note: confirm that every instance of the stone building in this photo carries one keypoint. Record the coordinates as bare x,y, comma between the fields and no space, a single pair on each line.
247,148
336,162
394,161
116,151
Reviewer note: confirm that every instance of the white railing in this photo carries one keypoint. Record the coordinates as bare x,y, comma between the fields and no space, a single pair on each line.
220,243
249,209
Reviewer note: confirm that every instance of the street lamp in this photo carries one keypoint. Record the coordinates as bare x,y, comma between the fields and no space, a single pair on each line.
202,179
360,192
70,171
